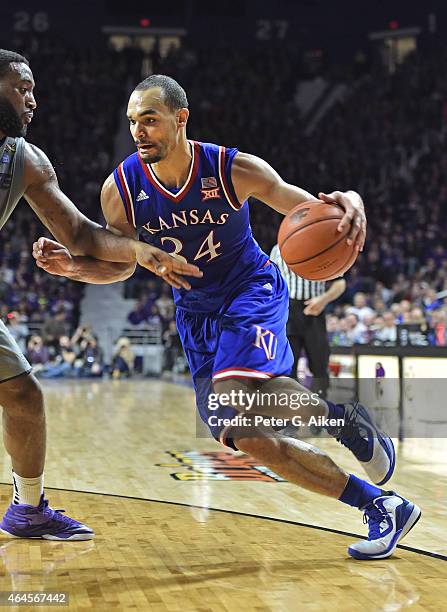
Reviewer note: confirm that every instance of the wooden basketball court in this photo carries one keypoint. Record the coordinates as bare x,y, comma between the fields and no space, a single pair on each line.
182,525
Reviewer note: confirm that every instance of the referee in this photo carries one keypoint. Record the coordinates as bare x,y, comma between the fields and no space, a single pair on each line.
306,327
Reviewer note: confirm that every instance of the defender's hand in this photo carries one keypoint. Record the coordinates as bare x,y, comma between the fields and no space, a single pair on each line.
354,215
52,257
171,268
315,306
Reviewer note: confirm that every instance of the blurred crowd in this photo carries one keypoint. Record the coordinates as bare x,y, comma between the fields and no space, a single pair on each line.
80,93
77,356
387,140
381,321
30,299
41,311
154,310
74,87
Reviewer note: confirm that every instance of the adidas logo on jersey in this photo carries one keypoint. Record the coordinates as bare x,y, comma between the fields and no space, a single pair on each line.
142,196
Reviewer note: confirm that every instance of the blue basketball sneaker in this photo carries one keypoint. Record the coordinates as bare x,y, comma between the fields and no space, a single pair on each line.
23,521
374,449
390,518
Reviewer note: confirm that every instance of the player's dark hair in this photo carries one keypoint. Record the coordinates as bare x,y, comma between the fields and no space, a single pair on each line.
174,94
8,57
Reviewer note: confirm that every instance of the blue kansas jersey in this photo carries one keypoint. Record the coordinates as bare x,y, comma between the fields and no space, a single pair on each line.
202,222
232,323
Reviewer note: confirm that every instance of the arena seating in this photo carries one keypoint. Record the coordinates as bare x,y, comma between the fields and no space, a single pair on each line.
393,153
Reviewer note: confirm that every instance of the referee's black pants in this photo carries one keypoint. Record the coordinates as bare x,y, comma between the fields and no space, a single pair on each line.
309,333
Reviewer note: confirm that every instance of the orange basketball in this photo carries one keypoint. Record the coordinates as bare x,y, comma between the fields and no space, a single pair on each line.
310,244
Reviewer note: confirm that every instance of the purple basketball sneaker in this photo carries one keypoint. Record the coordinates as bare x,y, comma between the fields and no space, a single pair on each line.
23,521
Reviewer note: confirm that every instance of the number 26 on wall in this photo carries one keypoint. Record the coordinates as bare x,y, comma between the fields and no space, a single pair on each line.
24,21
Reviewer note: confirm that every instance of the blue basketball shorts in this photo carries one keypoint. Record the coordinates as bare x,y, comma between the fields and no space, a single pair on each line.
246,338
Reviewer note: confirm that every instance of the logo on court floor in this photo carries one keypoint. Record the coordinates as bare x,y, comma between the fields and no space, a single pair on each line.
218,465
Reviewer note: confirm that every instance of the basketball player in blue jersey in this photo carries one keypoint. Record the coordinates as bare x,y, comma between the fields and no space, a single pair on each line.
26,171
190,199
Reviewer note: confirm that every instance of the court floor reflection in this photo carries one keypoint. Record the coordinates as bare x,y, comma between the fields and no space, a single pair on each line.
165,557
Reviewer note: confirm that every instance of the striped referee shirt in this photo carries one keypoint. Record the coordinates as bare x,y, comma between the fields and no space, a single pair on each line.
299,288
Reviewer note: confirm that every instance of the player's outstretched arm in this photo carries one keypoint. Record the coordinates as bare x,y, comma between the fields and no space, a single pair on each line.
57,212
89,246
254,177
55,258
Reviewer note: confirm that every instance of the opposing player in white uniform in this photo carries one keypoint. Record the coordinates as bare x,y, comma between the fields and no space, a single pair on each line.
26,171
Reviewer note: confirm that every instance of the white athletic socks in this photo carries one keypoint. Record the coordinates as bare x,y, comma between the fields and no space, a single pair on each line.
27,490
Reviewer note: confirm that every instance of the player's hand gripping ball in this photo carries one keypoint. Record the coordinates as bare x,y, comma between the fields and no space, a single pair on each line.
310,243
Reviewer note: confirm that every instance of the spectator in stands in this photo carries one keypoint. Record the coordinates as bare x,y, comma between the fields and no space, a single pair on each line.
37,354
63,303
140,311
154,318
332,329
369,321
430,301
438,332
340,337
360,307
379,306
123,359
63,363
165,306
382,293
91,358
18,330
22,310
417,317
6,273
152,291
82,333
375,328
356,331
65,351
41,313
403,312
23,277
388,332
173,347
55,327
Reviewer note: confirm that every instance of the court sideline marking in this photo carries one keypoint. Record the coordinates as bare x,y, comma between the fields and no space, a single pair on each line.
349,534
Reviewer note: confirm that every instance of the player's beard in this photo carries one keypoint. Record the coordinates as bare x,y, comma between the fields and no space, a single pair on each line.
10,122
152,159
159,154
